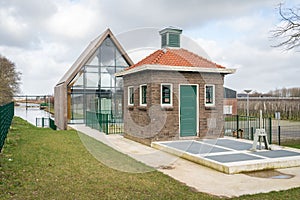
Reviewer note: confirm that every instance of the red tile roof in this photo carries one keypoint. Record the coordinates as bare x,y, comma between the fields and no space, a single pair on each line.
176,57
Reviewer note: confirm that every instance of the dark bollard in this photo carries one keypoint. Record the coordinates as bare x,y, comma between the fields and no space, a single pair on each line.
252,133
278,135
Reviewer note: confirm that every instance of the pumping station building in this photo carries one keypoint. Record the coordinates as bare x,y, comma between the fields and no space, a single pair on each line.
171,94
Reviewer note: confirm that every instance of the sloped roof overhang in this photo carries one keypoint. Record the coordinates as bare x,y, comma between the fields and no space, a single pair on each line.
175,68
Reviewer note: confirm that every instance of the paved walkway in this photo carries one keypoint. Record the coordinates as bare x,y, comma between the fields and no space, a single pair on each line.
197,176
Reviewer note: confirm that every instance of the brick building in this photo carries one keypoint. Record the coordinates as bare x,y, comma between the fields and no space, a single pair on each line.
230,102
173,94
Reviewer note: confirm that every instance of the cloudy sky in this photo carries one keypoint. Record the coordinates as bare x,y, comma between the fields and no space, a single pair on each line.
44,37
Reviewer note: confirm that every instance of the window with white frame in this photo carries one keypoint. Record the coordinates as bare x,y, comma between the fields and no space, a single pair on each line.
209,95
227,110
131,95
143,95
166,94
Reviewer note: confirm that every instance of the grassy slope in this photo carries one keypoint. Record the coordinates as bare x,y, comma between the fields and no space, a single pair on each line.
44,164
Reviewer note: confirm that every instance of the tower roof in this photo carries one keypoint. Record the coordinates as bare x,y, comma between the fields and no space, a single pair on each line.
180,60
176,57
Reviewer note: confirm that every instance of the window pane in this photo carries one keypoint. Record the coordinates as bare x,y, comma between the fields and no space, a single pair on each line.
209,96
144,94
107,53
92,80
77,106
166,94
120,61
78,81
105,80
94,61
227,110
131,95
91,69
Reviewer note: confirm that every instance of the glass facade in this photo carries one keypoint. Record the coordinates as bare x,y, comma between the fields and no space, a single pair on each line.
95,88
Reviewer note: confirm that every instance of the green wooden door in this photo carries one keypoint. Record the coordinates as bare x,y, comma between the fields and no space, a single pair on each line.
188,110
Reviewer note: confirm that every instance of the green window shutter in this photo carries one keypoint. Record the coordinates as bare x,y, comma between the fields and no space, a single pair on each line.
164,40
174,40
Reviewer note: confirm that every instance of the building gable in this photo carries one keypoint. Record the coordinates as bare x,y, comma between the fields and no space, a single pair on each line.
89,53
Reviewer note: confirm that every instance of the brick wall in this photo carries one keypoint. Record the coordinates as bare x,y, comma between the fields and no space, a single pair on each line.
233,103
153,122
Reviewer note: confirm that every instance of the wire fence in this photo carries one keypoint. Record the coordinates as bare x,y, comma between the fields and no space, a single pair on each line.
6,116
245,127
286,134
105,122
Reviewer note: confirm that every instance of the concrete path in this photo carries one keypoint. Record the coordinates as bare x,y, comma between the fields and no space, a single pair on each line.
194,175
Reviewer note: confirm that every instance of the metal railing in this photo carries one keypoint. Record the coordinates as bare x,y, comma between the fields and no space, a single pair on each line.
45,122
6,116
104,122
42,122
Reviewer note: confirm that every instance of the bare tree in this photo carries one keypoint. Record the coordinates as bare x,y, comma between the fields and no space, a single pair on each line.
288,32
9,80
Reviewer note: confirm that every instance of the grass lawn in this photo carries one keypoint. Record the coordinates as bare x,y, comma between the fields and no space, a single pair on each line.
41,163
294,144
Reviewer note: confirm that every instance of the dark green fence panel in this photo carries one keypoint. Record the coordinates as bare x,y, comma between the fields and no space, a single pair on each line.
52,124
104,122
244,127
6,116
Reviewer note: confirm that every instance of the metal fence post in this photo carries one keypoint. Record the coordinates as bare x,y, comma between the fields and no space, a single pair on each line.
252,132
270,125
87,118
237,126
279,135
106,124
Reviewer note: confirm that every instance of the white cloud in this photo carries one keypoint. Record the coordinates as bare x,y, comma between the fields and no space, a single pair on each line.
73,21
12,30
259,67
45,37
